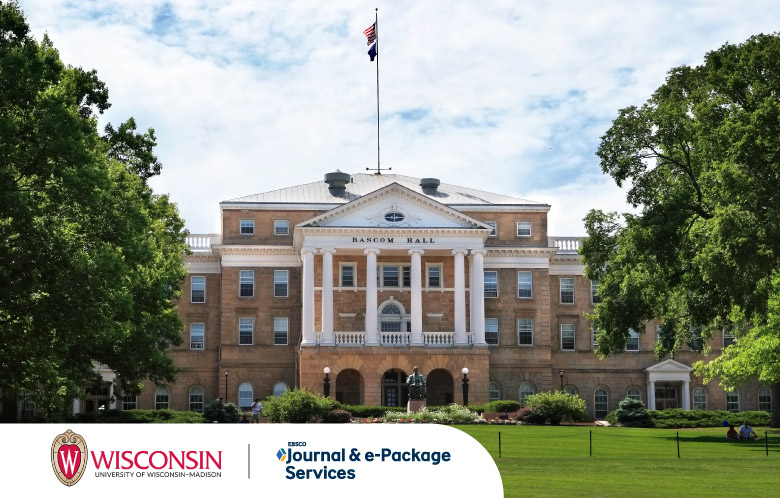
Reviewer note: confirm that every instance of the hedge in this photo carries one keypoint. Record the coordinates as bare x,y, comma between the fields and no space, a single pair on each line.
684,419
140,417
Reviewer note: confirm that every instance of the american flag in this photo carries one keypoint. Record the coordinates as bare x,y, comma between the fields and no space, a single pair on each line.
370,33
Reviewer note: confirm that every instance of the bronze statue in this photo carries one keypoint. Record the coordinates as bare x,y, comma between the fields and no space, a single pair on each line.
416,383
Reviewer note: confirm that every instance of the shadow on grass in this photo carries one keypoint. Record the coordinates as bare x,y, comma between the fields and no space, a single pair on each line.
759,445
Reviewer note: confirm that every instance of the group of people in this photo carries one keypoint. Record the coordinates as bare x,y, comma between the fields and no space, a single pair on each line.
745,432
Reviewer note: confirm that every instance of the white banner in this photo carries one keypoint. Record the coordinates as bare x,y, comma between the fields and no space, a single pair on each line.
320,460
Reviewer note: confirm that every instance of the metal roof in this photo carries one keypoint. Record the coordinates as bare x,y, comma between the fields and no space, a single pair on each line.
364,183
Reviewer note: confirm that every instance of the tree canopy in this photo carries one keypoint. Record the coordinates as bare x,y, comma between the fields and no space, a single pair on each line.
90,257
701,160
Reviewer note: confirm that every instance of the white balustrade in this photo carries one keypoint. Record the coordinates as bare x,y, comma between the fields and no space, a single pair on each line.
394,338
202,241
350,339
439,339
566,244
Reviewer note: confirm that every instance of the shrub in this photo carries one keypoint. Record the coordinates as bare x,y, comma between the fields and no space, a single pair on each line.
677,418
365,411
139,417
527,416
557,406
336,417
503,405
297,406
232,412
632,413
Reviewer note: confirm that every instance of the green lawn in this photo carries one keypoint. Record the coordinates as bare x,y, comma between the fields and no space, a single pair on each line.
554,461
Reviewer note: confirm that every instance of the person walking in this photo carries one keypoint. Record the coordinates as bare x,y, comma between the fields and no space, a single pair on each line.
257,410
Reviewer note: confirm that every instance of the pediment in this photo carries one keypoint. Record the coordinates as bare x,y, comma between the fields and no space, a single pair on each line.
668,366
394,207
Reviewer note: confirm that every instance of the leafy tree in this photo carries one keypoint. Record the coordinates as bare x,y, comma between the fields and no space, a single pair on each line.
90,257
556,406
701,158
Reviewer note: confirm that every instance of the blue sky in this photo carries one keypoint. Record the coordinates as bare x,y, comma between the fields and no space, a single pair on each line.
505,96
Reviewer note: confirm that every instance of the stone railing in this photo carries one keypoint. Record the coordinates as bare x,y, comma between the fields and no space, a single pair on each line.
356,339
394,338
348,339
565,244
203,241
439,339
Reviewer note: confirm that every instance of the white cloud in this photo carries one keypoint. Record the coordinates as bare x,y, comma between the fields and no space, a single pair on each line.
247,97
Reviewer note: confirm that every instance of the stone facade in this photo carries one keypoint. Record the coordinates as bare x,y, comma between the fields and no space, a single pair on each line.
371,328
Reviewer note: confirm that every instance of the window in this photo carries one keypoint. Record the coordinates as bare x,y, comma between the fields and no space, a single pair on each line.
765,399
281,283
391,318
161,399
245,331
594,290
196,400
728,338
634,393
389,276
601,403
198,290
732,401
594,332
494,391
280,330
394,217
196,335
494,226
699,398
406,272
129,401
524,284
246,283
245,392
491,331
526,389
280,388
281,227
570,390
347,275
434,275
567,337
633,340
247,227
523,228
525,331
491,283
567,290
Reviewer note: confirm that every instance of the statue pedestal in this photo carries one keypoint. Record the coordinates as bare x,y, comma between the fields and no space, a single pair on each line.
415,405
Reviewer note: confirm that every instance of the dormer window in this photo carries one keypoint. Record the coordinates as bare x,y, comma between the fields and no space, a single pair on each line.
394,217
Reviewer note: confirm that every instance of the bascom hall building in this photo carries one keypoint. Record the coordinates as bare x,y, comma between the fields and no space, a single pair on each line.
369,275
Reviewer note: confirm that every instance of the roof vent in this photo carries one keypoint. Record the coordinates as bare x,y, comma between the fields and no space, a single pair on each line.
337,182
429,185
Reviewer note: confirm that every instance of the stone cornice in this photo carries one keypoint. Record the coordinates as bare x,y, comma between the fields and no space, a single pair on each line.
256,250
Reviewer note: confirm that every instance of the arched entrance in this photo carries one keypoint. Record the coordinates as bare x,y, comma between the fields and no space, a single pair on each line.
394,389
441,388
349,387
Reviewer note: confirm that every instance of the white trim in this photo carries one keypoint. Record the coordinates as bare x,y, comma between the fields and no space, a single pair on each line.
567,270
198,267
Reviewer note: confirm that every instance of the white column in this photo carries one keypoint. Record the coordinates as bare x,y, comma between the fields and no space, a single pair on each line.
479,296
460,297
326,339
686,395
111,397
650,395
76,406
471,294
307,318
372,338
416,281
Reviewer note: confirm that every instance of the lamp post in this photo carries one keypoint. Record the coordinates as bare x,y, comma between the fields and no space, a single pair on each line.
227,372
326,382
465,386
561,374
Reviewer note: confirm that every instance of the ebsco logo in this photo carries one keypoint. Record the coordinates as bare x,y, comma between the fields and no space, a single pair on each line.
69,457
281,455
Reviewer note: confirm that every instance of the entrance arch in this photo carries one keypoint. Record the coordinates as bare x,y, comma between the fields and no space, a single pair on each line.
349,387
394,389
441,388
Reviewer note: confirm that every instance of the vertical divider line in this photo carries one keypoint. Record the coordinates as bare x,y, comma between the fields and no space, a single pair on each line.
248,458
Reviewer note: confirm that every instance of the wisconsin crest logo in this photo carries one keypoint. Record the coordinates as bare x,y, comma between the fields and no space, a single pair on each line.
69,457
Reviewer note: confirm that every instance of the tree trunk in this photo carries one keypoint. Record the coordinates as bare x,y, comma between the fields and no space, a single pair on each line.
775,422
